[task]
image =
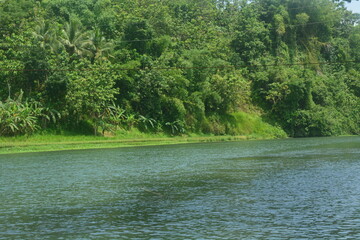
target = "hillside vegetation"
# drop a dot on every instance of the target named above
(179, 67)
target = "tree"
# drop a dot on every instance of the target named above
(101, 48)
(14, 15)
(89, 92)
(186, 64)
(137, 35)
(75, 39)
(45, 35)
(251, 39)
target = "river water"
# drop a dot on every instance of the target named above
(276, 189)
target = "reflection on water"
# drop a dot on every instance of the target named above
(290, 189)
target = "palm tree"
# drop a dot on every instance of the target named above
(101, 47)
(76, 40)
(46, 36)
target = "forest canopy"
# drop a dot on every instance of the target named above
(179, 66)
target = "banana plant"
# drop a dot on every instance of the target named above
(18, 117)
(146, 123)
(176, 127)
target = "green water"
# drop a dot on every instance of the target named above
(278, 189)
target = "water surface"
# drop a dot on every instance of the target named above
(277, 189)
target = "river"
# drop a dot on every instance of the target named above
(276, 189)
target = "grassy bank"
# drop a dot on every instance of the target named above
(245, 127)
(69, 143)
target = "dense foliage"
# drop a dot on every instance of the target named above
(179, 65)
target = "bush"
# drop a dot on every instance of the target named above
(319, 121)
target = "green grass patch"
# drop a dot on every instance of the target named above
(58, 143)
(253, 125)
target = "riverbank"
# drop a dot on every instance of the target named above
(244, 126)
(49, 142)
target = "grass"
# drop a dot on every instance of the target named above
(246, 126)
(252, 124)
(57, 143)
